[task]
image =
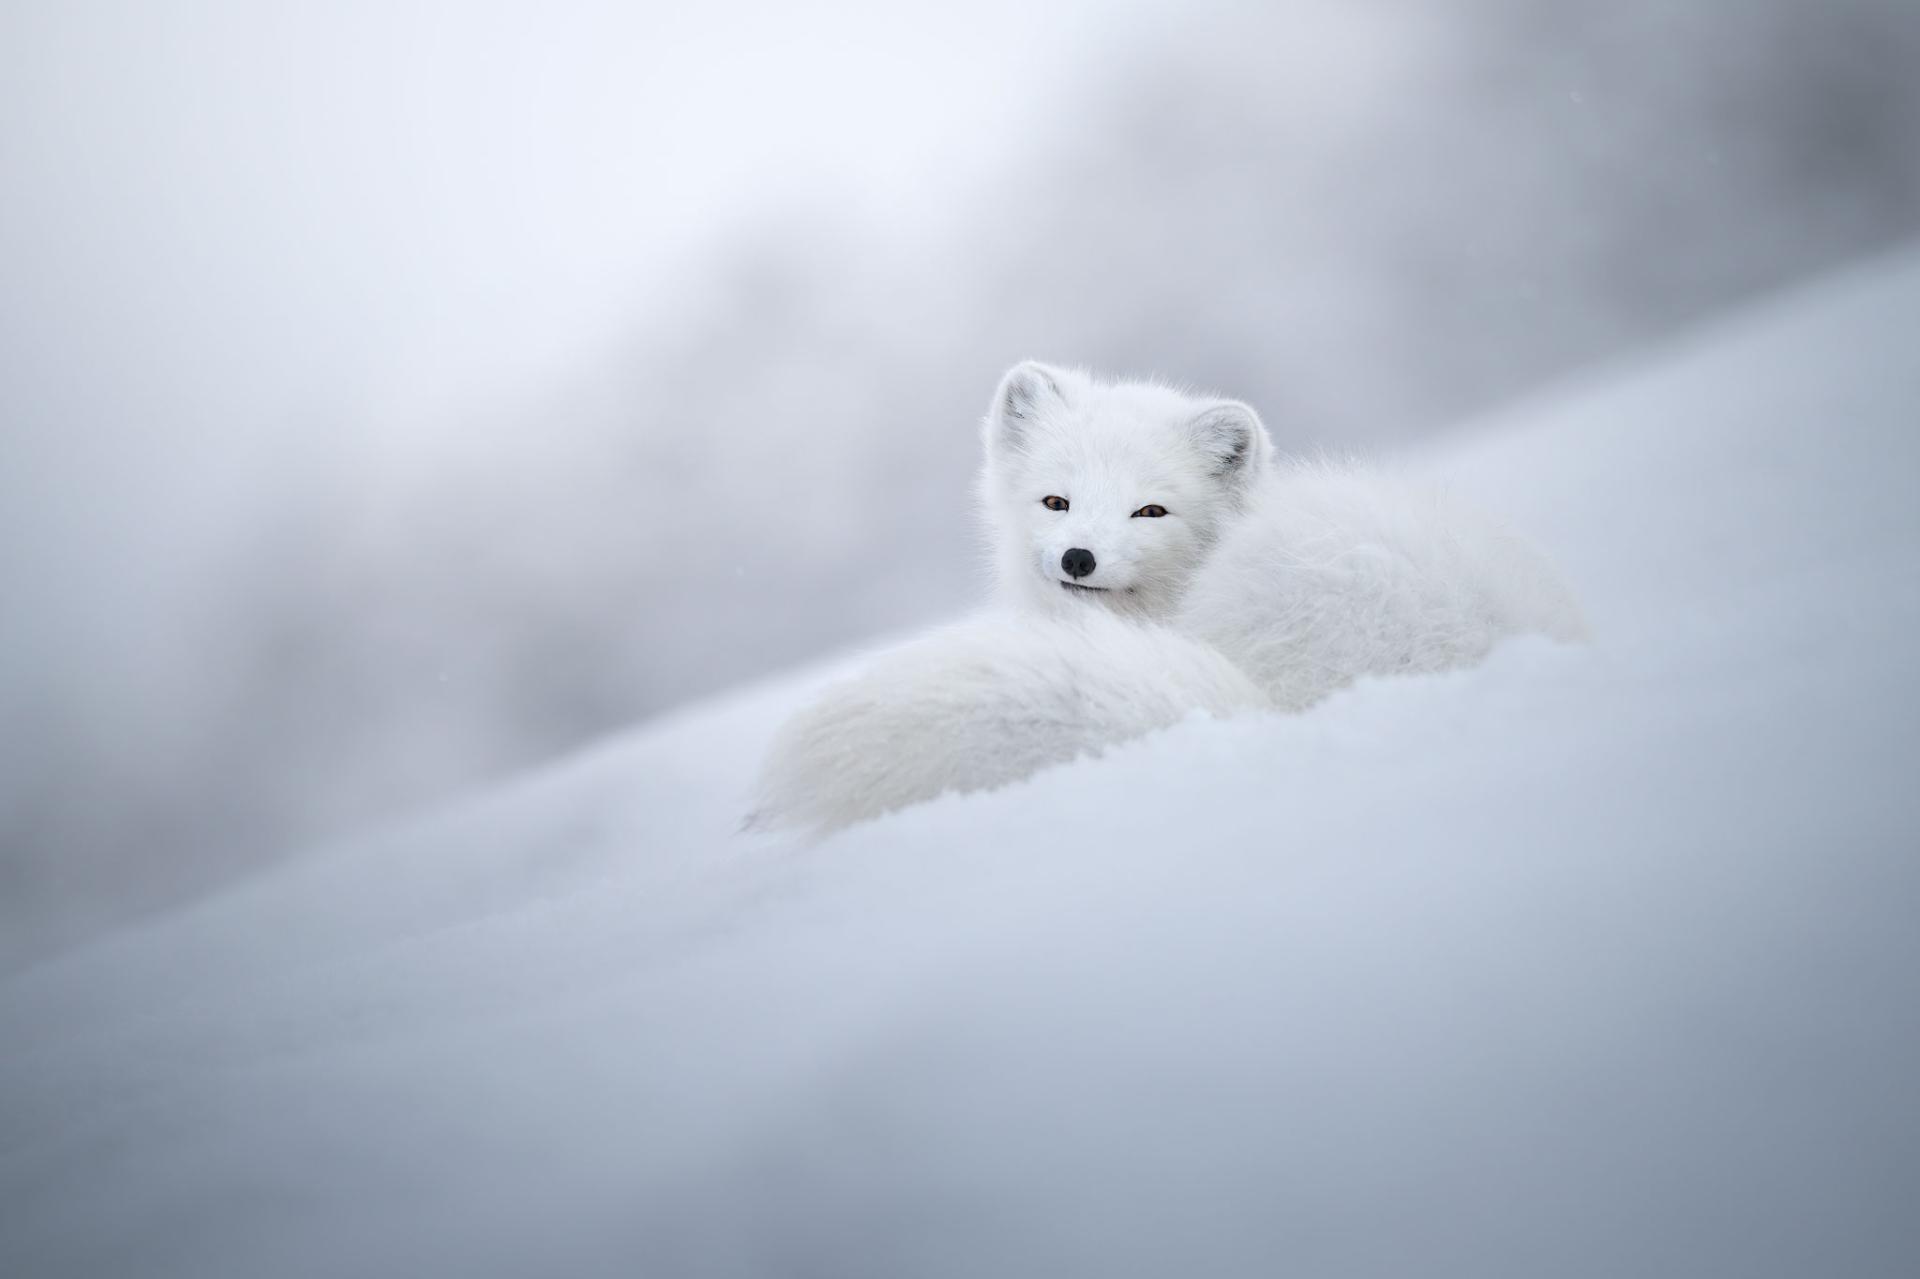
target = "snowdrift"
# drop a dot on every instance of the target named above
(1590, 960)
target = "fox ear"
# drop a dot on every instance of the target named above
(1027, 390)
(1231, 437)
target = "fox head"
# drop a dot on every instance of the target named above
(1110, 494)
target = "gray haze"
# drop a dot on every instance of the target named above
(396, 395)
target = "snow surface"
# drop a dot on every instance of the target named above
(1587, 961)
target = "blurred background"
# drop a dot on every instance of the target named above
(395, 395)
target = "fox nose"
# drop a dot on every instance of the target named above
(1078, 562)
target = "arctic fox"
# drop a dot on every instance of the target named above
(1156, 504)
(1152, 559)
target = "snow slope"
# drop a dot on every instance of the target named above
(1586, 962)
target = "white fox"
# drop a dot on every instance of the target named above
(1151, 560)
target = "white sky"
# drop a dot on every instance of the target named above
(232, 232)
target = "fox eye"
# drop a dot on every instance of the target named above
(1150, 512)
(1054, 503)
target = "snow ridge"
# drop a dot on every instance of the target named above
(1585, 961)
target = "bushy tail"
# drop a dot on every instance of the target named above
(980, 704)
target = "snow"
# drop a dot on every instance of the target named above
(1590, 960)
